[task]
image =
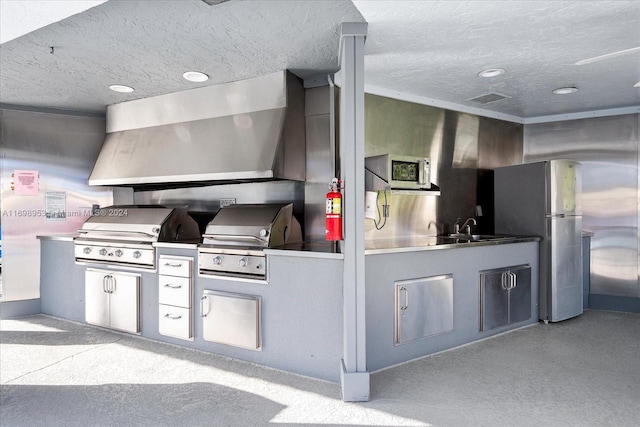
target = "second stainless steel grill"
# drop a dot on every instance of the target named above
(234, 241)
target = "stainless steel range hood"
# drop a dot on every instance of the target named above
(241, 131)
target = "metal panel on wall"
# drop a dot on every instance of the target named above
(463, 149)
(57, 152)
(320, 159)
(608, 148)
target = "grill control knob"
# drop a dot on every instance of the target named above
(87, 250)
(137, 254)
(264, 233)
(103, 252)
(217, 260)
(243, 262)
(118, 253)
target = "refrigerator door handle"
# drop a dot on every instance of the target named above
(555, 215)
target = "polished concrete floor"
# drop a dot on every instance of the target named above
(581, 372)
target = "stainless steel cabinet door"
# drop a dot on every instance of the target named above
(96, 298)
(494, 300)
(505, 296)
(125, 302)
(423, 308)
(520, 295)
(231, 319)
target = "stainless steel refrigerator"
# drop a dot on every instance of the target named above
(543, 199)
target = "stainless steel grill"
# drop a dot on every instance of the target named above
(125, 235)
(234, 241)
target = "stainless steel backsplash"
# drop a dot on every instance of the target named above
(463, 148)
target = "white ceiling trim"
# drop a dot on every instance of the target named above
(417, 99)
(584, 115)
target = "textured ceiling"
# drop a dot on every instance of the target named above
(435, 49)
(149, 45)
(18, 18)
(429, 50)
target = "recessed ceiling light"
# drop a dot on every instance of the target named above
(121, 88)
(195, 76)
(491, 72)
(565, 90)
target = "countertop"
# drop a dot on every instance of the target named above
(316, 249)
(422, 243)
(323, 249)
(60, 237)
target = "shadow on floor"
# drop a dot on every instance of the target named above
(193, 404)
(581, 372)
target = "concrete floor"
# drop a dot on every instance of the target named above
(581, 372)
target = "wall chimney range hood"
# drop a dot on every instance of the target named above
(249, 130)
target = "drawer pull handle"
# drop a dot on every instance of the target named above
(169, 264)
(169, 285)
(173, 316)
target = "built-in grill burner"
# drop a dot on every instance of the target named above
(125, 235)
(234, 241)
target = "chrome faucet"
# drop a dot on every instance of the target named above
(465, 226)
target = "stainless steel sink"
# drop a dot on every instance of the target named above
(478, 237)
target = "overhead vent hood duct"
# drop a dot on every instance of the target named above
(248, 130)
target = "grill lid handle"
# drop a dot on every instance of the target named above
(236, 237)
(125, 233)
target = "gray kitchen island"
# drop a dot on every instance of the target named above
(300, 305)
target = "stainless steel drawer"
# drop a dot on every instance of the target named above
(175, 322)
(174, 291)
(175, 266)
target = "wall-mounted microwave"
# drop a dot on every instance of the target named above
(399, 171)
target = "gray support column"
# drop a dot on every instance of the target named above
(355, 377)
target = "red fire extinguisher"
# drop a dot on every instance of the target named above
(333, 227)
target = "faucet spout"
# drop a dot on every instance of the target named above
(466, 226)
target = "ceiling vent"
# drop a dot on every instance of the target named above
(214, 2)
(488, 98)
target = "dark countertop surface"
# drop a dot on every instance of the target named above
(321, 248)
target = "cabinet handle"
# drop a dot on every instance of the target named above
(109, 284)
(169, 285)
(505, 280)
(168, 264)
(203, 312)
(509, 281)
(173, 316)
(406, 298)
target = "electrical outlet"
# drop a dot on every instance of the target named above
(227, 202)
(371, 200)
